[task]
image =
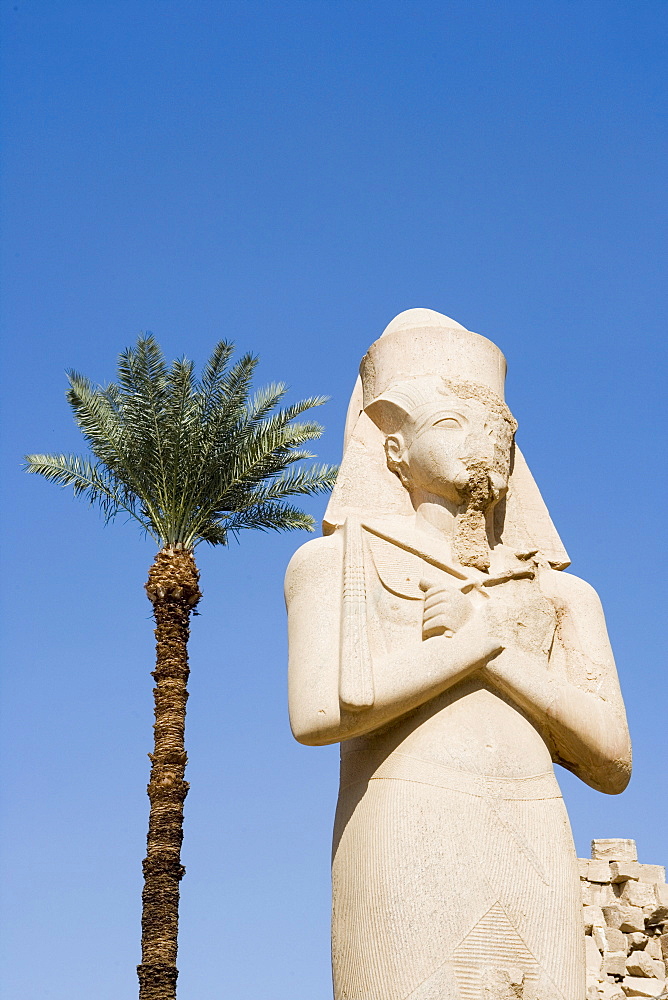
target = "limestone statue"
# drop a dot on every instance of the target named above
(434, 634)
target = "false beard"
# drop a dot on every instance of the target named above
(470, 542)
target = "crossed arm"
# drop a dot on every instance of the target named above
(586, 729)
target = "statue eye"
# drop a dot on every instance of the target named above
(449, 422)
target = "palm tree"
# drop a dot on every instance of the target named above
(191, 461)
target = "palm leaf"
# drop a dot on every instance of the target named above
(190, 460)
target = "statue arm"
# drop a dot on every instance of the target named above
(402, 681)
(577, 700)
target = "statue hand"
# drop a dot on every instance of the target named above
(446, 609)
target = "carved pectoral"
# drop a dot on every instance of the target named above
(383, 600)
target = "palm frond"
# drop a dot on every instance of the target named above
(93, 482)
(190, 460)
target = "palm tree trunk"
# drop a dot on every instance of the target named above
(173, 590)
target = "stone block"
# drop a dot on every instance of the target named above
(663, 940)
(632, 919)
(661, 893)
(622, 871)
(599, 871)
(615, 940)
(614, 963)
(660, 968)
(638, 894)
(653, 948)
(593, 917)
(614, 850)
(598, 894)
(638, 939)
(593, 957)
(652, 873)
(658, 915)
(613, 915)
(583, 866)
(637, 987)
(640, 964)
(610, 991)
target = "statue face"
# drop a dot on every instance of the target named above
(441, 451)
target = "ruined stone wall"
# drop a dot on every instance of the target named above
(625, 907)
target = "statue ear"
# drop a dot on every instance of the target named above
(394, 448)
(395, 454)
(387, 415)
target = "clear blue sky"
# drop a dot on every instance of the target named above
(291, 174)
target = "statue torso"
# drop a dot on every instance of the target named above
(471, 727)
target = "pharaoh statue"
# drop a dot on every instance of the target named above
(435, 636)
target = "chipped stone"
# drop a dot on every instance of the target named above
(614, 850)
(598, 871)
(593, 917)
(652, 873)
(622, 871)
(637, 987)
(637, 940)
(632, 919)
(638, 894)
(663, 940)
(593, 957)
(614, 963)
(659, 915)
(640, 964)
(598, 894)
(660, 968)
(653, 948)
(615, 940)
(610, 991)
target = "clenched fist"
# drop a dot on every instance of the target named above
(446, 609)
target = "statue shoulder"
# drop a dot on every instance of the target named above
(314, 561)
(569, 588)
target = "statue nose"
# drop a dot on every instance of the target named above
(480, 447)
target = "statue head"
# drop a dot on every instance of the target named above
(450, 440)
(428, 418)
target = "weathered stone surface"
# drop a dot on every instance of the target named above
(640, 964)
(614, 963)
(583, 867)
(632, 919)
(622, 871)
(660, 968)
(652, 873)
(610, 991)
(593, 917)
(637, 987)
(592, 957)
(664, 947)
(432, 634)
(661, 892)
(638, 939)
(614, 850)
(638, 894)
(653, 948)
(598, 894)
(599, 871)
(613, 939)
(657, 915)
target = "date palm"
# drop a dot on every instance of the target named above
(191, 460)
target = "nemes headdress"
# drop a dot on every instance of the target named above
(420, 355)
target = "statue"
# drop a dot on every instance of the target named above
(434, 634)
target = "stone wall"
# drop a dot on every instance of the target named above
(625, 907)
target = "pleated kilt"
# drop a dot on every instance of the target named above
(449, 885)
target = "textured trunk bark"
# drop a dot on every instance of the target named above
(173, 590)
